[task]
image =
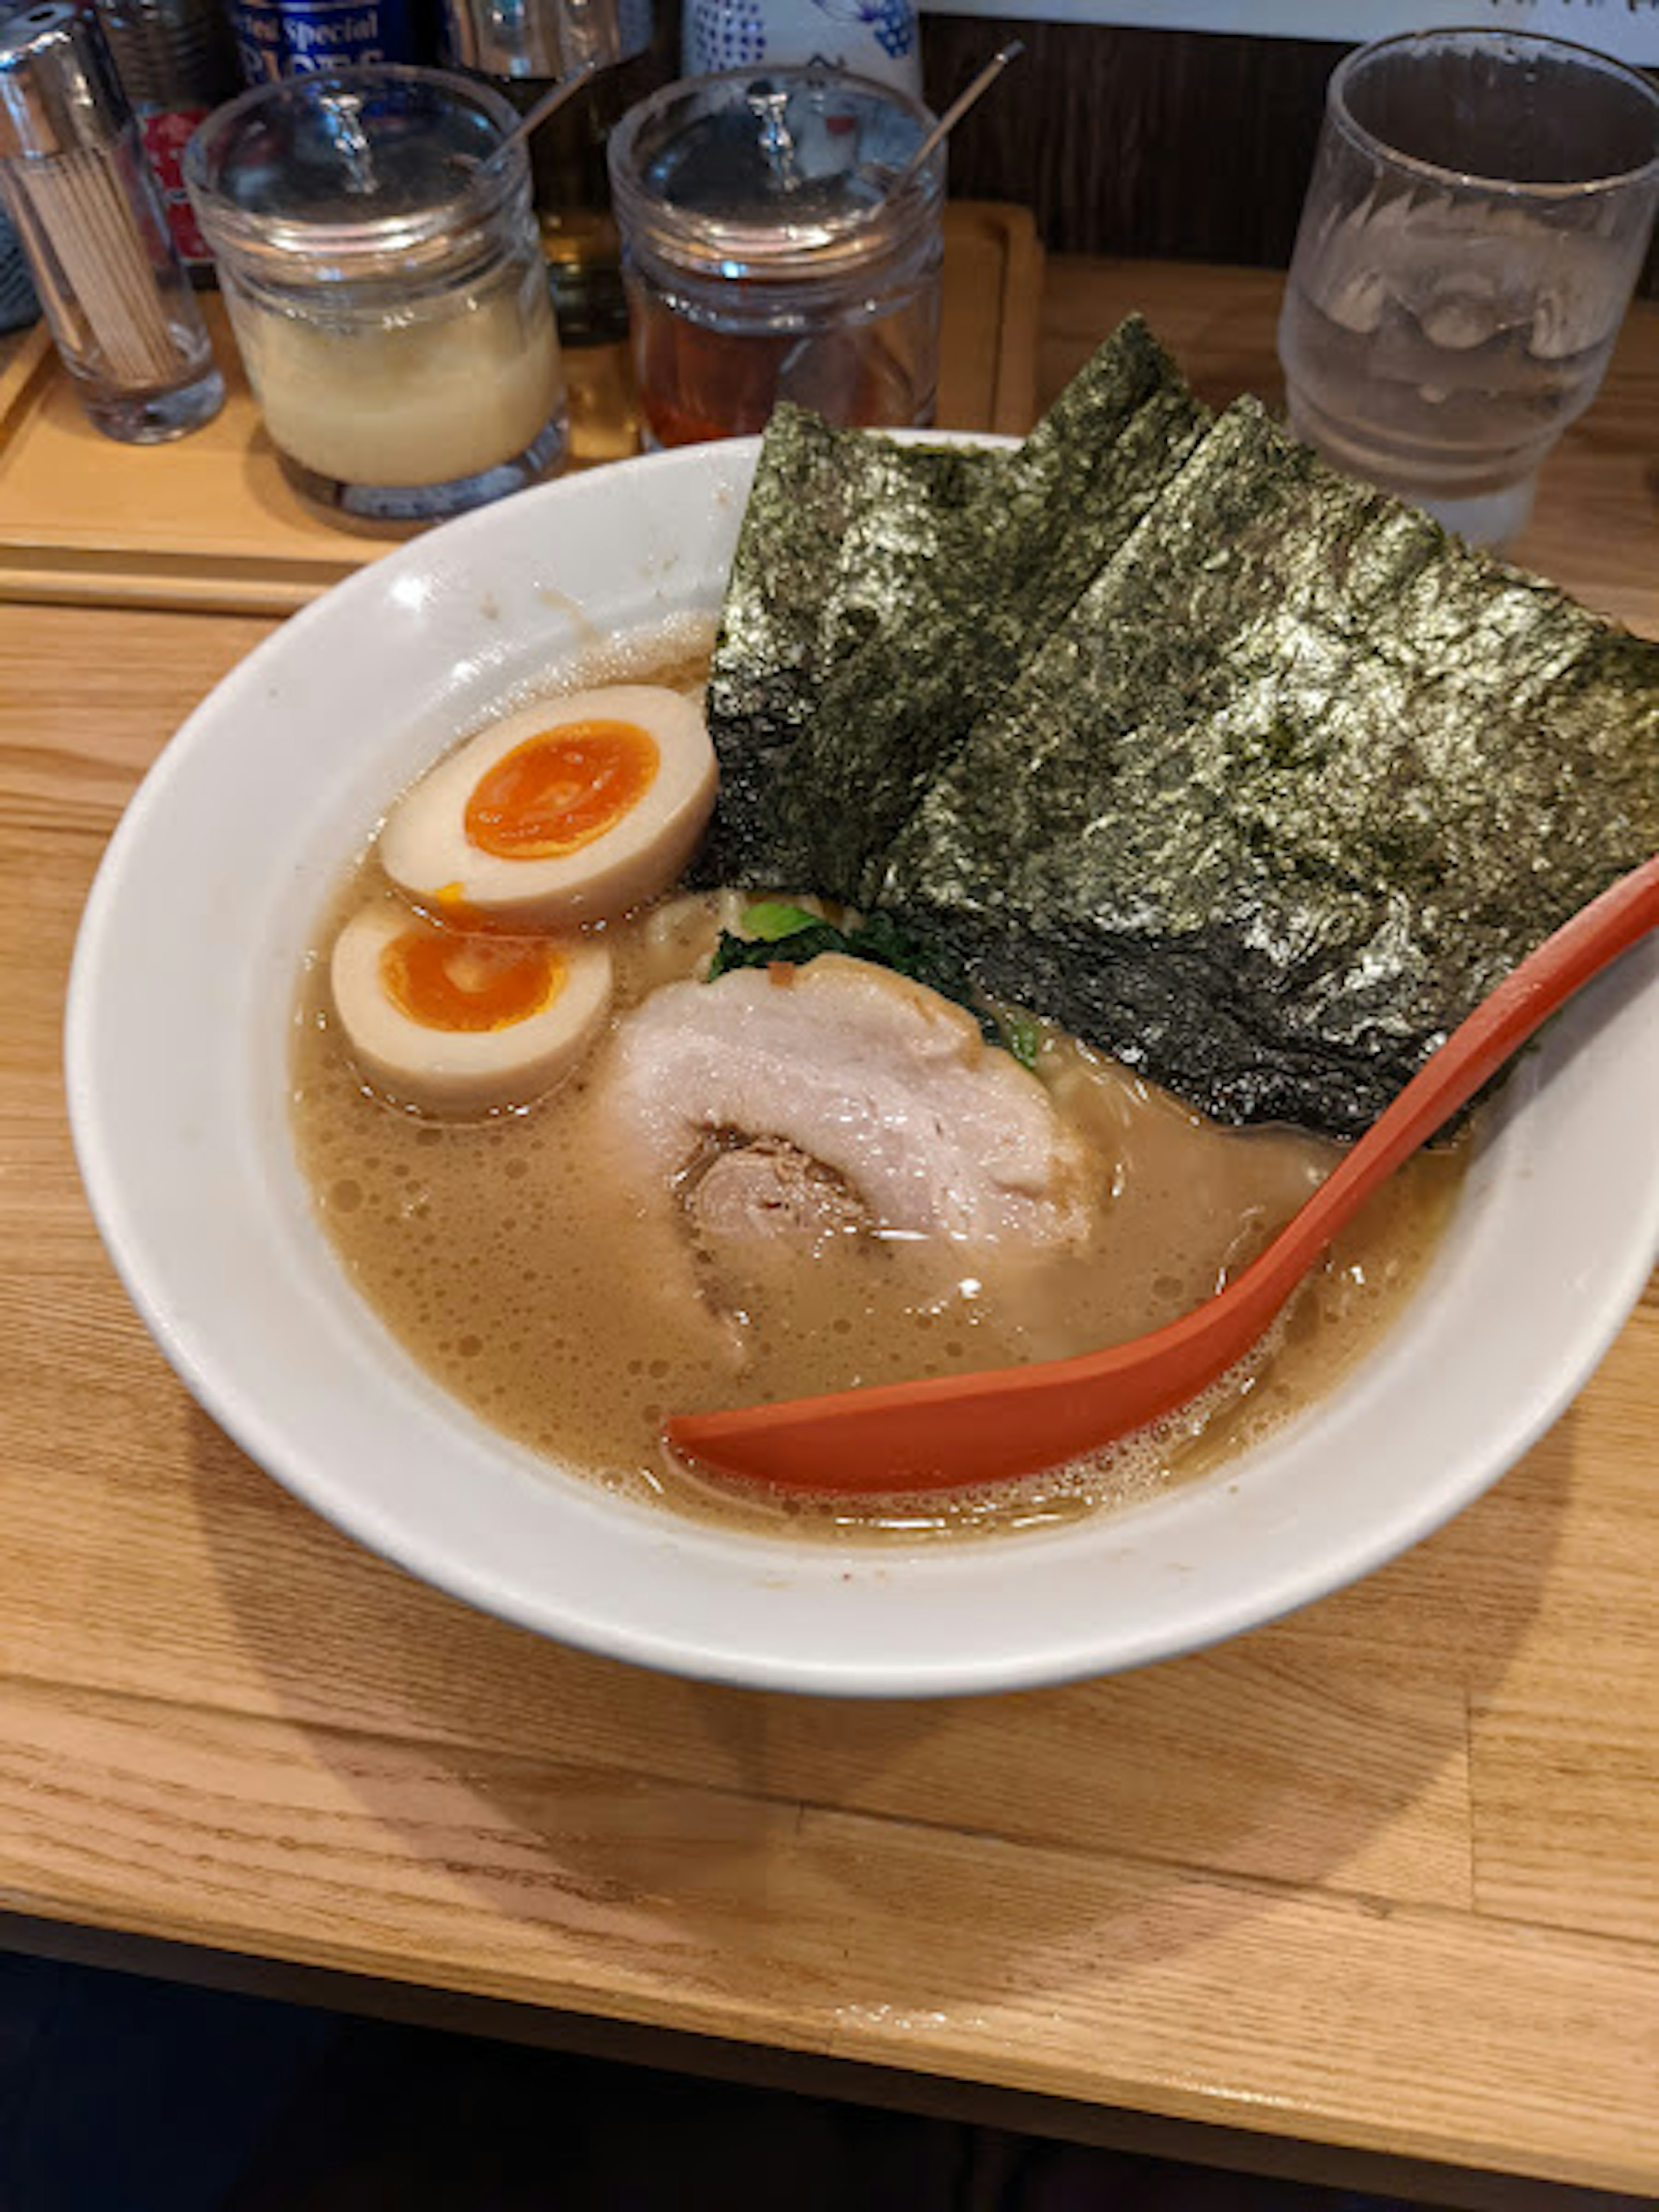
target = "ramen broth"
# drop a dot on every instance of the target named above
(568, 1306)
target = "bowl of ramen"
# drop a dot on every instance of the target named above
(448, 1292)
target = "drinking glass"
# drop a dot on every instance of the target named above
(1480, 206)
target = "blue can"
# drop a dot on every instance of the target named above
(281, 38)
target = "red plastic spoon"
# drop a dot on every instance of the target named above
(956, 1430)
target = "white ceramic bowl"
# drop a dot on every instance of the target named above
(178, 1037)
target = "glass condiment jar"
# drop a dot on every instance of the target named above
(89, 219)
(386, 283)
(177, 61)
(770, 251)
(525, 49)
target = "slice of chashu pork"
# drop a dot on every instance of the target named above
(839, 1095)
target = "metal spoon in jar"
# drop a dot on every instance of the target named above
(544, 109)
(955, 1430)
(819, 369)
(954, 113)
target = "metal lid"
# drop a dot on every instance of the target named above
(380, 171)
(549, 39)
(789, 174)
(59, 90)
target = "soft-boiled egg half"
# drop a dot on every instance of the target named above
(458, 1021)
(568, 811)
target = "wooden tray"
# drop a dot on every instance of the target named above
(211, 522)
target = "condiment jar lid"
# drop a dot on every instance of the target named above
(59, 90)
(354, 174)
(787, 173)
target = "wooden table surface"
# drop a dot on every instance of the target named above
(1382, 1877)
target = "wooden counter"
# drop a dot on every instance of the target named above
(1382, 1878)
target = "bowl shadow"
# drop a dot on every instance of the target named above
(773, 1854)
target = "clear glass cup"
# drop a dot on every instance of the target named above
(1480, 206)
(767, 255)
(386, 283)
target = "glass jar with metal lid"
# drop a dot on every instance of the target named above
(774, 248)
(380, 262)
(523, 47)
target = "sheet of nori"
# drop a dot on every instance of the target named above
(829, 756)
(1028, 544)
(1295, 782)
(839, 526)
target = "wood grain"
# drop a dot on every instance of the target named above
(1128, 139)
(1136, 140)
(1382, 1876)
(213, 522)
(1029, 1965)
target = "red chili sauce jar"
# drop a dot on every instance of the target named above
(771, 252)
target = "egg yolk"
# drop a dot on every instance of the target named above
(561, 789)
(445, 981)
